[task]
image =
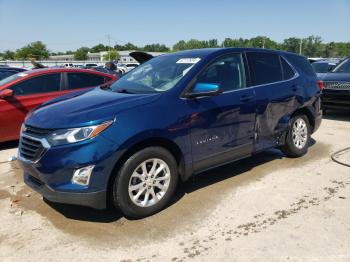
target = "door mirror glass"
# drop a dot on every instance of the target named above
(6, 93)
(205, 89)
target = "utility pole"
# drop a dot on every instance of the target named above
(264, 43)
(109, 47)
(301, 45)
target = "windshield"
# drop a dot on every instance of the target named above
(159, 74)
(11, 78)
(343, 67)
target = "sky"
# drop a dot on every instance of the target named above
(69, 24)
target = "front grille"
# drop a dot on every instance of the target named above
(337, 85)
(31, 146)
(29, 130)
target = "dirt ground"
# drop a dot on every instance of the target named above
(265, 208)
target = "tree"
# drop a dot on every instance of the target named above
(81, 53)
(291, 44)
(98, 48)
(111, 55)
(156, 48)
(8, 55)
(127, 46)
(35, 50)
(312, 46)
(181, 45)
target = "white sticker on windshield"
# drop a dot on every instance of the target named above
(188, 60)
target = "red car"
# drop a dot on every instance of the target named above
(22, 92)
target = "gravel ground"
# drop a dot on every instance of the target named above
(265, 208)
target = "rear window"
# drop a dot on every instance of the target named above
(302, 63)
(264, 67)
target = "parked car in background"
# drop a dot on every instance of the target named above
(8, 71)
(68, 65)
(22, 92)
(336, 93)
(106, 70)
(121, 68)
(90, 65)
(131, 66)
(171, 117)
(323, 66)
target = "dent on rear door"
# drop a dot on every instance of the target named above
(275, 104)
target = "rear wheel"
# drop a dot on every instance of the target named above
(145, 183)
(298, 137)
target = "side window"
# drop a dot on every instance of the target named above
(37, 85)
(227, 71)
(288, 72)
(264, 67)
(302, 63)
(82, 80)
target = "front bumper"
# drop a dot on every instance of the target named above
(90, 199)
(51, 175)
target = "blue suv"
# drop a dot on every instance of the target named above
(171, 117)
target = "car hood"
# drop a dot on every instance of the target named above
(85, 108)
(336, 77)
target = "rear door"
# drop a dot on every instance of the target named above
(28, 94)
(276, 89)
(222, 126)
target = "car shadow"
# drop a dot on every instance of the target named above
(196, 182)
(338, 115)
(8, 145)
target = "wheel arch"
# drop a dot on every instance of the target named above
(307, 112)
(168, 144)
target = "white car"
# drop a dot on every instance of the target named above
(132, 66)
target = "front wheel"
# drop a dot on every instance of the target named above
(298, 137)
(145, 183)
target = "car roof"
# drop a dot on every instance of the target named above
(209, 51)
(12, 69)
(60, 70)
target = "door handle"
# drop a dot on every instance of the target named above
(246, 98)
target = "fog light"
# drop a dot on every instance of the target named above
(82, 175)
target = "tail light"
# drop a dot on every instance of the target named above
(320, 84)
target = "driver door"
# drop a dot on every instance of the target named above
(224, 126)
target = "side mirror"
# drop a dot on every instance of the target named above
(6, 93)
(205, 89)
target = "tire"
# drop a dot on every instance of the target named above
(159, 187)
(293, 146)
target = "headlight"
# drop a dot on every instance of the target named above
(73, 135)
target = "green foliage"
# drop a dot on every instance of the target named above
(98, 48)
(127, 46)
(195, 44)
(8, 55)
(155, 48)
(111, 55)
(311, 46)
(291, 44)
(81, 53)
(35, 50)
